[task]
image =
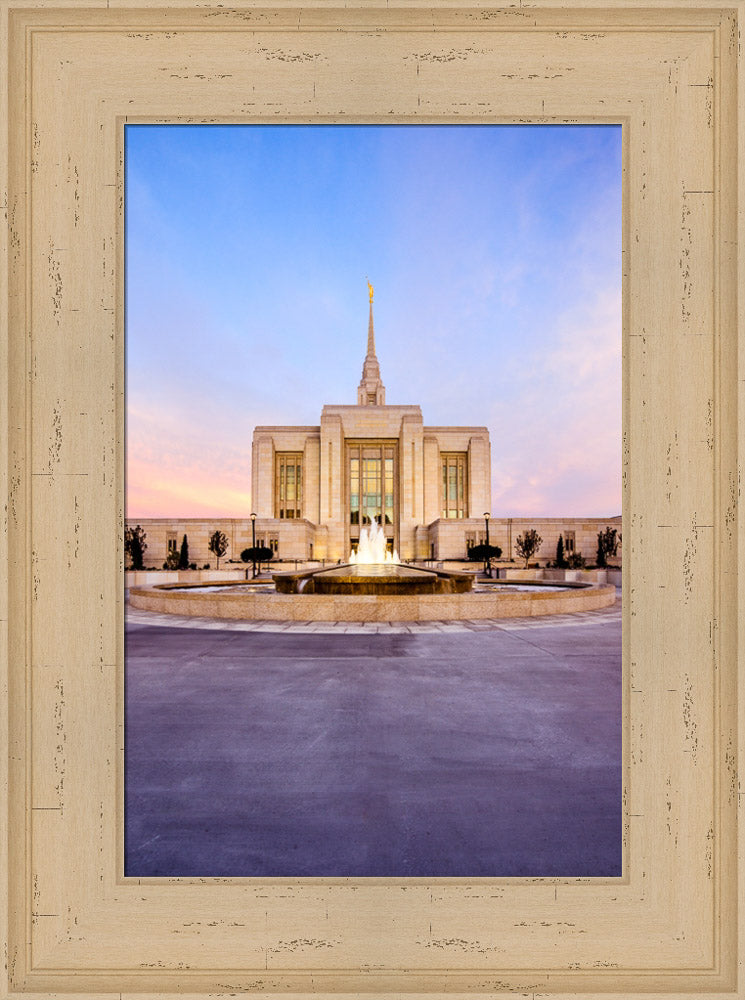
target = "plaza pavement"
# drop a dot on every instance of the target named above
(470, 749)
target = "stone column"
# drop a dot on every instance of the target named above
(432, 479)
(262, 476)
(479, 474)
(311, 479)
(411, 483)
(332, 479)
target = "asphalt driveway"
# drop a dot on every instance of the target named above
(493, 752)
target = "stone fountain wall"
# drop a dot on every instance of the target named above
(262, 605)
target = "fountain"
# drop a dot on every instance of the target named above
(372, 549)
(372, 569)
(373, 586)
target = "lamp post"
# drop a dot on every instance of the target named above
(487, 560)
(253, 542)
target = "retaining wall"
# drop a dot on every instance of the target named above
(341, 607)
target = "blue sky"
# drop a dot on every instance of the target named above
(495, 253)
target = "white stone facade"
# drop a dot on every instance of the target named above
(443, 539)
(368, 461)
(315, 487)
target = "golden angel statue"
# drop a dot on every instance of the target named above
(370, 291)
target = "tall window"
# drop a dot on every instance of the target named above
(354, 490)
(454, 487)
(288, 486)
(371, 484)
(371, 490)
(388, 491)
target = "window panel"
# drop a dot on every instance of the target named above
(371, 483)
(288, 485)
(454, 487)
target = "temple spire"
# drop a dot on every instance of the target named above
(370, 335)
(371, 391)
(370, 329)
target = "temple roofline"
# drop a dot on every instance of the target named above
(402, 407)
(314, 429)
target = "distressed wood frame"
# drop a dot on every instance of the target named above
(670, 927)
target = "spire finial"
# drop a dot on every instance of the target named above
(370, 327)
(371, 391)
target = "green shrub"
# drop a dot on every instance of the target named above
(260, 554)
(134, 546)
(607, 545)
(479, 553)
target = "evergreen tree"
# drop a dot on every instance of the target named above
(607, 545)
(560, 560)
(600, 557)
(183, 562)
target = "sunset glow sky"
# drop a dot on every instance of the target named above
(495, 253)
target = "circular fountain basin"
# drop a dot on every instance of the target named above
(256, 602)
(387, 579)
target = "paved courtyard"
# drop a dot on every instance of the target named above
(443, 749)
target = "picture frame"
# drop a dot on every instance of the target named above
(76, 72)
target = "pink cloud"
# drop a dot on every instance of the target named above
(180, 468)
(560, 453)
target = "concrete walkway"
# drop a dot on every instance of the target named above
(467, 751)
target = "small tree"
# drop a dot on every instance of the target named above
(260, 554)
(560, 558)
(480, 553)
(607, 545)
(183, 562)
(528, 544)
(218, 544)
(135, 545)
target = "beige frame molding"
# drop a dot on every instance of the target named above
(76, 71)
